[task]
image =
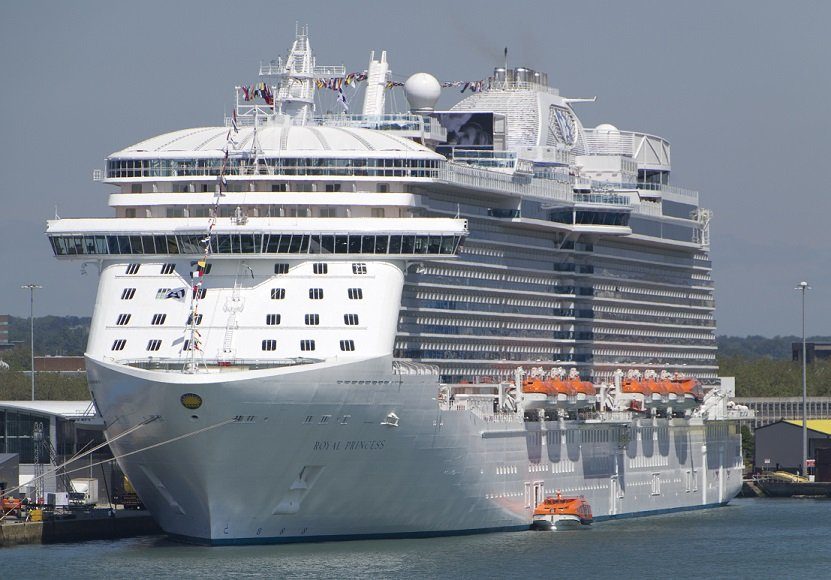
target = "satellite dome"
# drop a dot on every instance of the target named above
(422, 91)
(608, 138)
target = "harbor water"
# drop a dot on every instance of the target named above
(750, 538)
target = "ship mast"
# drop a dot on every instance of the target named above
(295, 79)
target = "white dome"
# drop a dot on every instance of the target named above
(607, 129)
(277, 140)
(422, 90)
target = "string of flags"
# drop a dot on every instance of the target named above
(200, 266)
(261, 90)
(337, 84)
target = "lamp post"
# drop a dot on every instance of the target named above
(32, 288)
(803, 286)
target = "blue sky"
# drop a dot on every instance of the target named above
(741, 90)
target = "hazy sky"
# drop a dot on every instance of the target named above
(742, 90)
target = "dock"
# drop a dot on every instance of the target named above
(96, 524)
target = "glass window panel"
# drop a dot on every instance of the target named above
(272, 242)
(285, 243)
(381, 244)
(135, 242)
(314, 244)
(354, 244)
(368, 244)
(123, 245)
(341, 244)
(395, 244)
(149, 245)
(247, 243)
(434, 245)
(296, 241)
(407, 244)
(328, 243)
(447, 244)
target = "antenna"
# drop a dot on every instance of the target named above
(506, 58)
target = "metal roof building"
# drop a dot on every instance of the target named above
(779, 445)
(43, 432)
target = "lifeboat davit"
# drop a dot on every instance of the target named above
(559, 512)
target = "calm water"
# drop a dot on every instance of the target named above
(751, 538)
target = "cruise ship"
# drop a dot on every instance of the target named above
(318, 326)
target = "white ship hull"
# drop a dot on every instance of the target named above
(281, 472)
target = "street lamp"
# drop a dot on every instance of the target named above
(803, 286)
(32, 288)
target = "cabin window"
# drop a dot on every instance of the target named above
(122, 319)
(158, 319)
(198, 319)
(307, 345)
(281, 268)
(347, 345)
(312, 319)
(133, 269)
(359, 268)
(350, 319)
(128, 293)
(272, 319)
(316, 293)
(119, 344)
(278, 293)
(269, 344)
(356, 293)
(154, 344)
(168, 268)
(320, 268)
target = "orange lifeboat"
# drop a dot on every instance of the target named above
(564, 387)
(656, 387)
(689, 386)
(584, 387)
(560, 512)
(537, 386)
(633, 386)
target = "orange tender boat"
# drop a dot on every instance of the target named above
(689, 386)
(561, 513)
(552, 388)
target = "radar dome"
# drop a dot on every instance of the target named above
(608, 137)
(422, 91)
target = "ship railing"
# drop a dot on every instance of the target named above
(666, 189)
(401, 367)
(513, 85)
(648, 208)
(458, 174)
(177, 364)
(602, 197)
(644, 148)
(396, 122)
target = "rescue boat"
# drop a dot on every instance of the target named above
(549, 390)
(560, 512)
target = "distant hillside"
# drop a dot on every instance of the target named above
(54, 335)
(753, 347)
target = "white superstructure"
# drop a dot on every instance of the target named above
(314, 324)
